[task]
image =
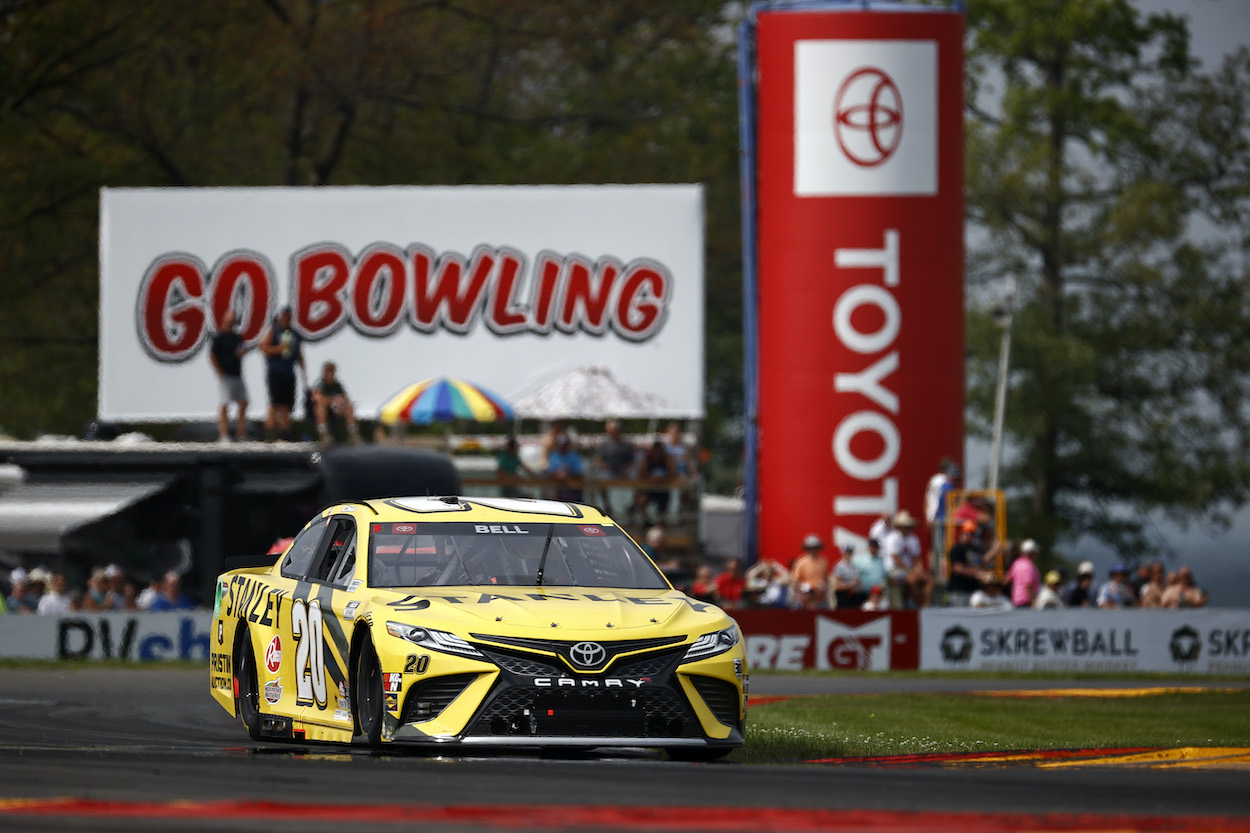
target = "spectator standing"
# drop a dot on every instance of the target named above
(870, 566)
(990, 596)
(281, 346)
(171, 596)
(811, 575)
(768, 583)
(730, 584)
(1023, 576)
(940, 485)
(226, 354)
(1151, 593)
(703, 587)
(508, 462)
(657, 465)
(614, 457)
(148, 594)
(903, 553)
(1048, 597)
(99, 595)
(1117, 593)
(847, 589)
(684, 462)
(57, 600)
(329, 395)
(565, 465)
(22, 596)
(1185, 592)
(965, 566)
(1082, 592)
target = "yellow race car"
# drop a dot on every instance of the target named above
(475, 621)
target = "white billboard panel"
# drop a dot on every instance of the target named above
(502, 286)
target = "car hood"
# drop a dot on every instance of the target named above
(552, 613)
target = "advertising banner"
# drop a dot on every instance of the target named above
(1208, 641)
(505, 287)
(141, 637)
(860, 266)
(852, 640)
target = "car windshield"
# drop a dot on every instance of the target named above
(448, 554)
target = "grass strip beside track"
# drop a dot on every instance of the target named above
(822, 727)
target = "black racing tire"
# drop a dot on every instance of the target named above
(370, 710)
(247, 702)
(698, 753)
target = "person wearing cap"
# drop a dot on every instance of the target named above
(1082, 591)
(870, 566)
(810, 573)
(902, 553)
(847, 587)
(22, 596)
(1117, 593)
(1023, 576)
(876, 599)
(990, 596)
(1048, 597)
(768, 583)
(964, 558)
(98, 596)
(280, 345)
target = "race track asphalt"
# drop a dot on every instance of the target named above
(92, 748)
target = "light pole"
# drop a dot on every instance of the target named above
(1002, 315)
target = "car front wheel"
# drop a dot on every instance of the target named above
(369, 708)
(246, 689)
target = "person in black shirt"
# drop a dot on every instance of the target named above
(965, 566)
(329, 395)
(226, 354)
(283, 354)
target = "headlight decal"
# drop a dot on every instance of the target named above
(447, 643)
(711, 644)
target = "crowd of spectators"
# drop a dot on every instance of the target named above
(665, 460)
(41, 591)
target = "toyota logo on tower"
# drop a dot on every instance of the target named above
(868, 117)
(850, 138)
(587, 654)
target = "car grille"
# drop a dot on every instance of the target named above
(656, 712)
(523, 665)
(427, 699)
(612, 648)
(721, 697)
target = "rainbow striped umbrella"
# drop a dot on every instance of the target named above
(443, 399)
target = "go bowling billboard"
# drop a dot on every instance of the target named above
(858, 383)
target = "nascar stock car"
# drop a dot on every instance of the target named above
(475, 621)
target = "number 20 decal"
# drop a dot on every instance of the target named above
(310, 665)
(417, 664)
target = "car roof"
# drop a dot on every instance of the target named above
(486, 509)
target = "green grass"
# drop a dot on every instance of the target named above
(836, 726)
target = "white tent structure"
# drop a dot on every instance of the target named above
(590, 393)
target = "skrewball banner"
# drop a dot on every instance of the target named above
(860, 284)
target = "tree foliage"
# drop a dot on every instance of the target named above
(1107, 174)
(305, 92)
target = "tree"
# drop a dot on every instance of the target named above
(1107, 175)
(303, 92)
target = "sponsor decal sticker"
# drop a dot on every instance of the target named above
(354, 586)
(392, 701)
(349, 612)
(404, 529)
(592, 530)
(393, 681)
(273, 655)
(273, 691)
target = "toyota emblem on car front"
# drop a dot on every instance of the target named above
(587, 654)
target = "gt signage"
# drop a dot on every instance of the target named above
(500, 285)
(860, 235)
(788, 640)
